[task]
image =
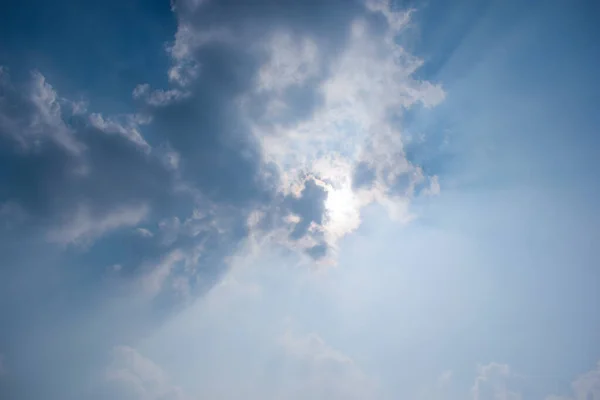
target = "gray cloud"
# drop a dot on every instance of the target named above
(71, 190)
(309, 205)
(49, 180)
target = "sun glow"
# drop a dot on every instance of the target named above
(342, 211)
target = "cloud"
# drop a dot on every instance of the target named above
(352, 138)
(585, 387)
(313, 369)
(290, 63)
(262, 97)
(133, 376)
(144, 232)
(279, 123)
(83, 227)
(305, 98)
(43, 118)
(74, 188)
(66, 174)
(240, 60)
(494, 383)
(498, 382)
(80, 179)
(158, 97)
(128, 128)
(299, 367)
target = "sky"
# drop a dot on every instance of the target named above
(320, 199)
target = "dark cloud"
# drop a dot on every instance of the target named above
(53, 164)
(49, 183)
(73, 191)
(53, 260)
(326, 21)
(248, 24)
(309, 206)
(206, 129)
(318, 251)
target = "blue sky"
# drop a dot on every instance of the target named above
(289, 200)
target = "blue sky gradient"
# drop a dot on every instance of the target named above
(288, 200)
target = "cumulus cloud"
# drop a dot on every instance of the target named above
(133, 376)
(299, 367)
(351, 140)
(313, 369)
(494, 383)
(585, 387)
(65, 173)
(263, 97)
(498, 382)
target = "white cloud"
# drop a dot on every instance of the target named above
(49, 114)
(588, 385)
(137, 377)
(312, 369)
(143, 232)
(46, 119)
(76, 107)
(170, 229)
(493, 383)
(127, 128)
(85, 227)
(188, 39)
(498, 382)
(369, 81)
(158, 97)
(291, 61)
(358, 90)
(141, 90)
(585, 387)
(154, 280)
(434, 186)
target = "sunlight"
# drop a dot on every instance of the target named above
(342, 211)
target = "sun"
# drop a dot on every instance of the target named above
(342, 210)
